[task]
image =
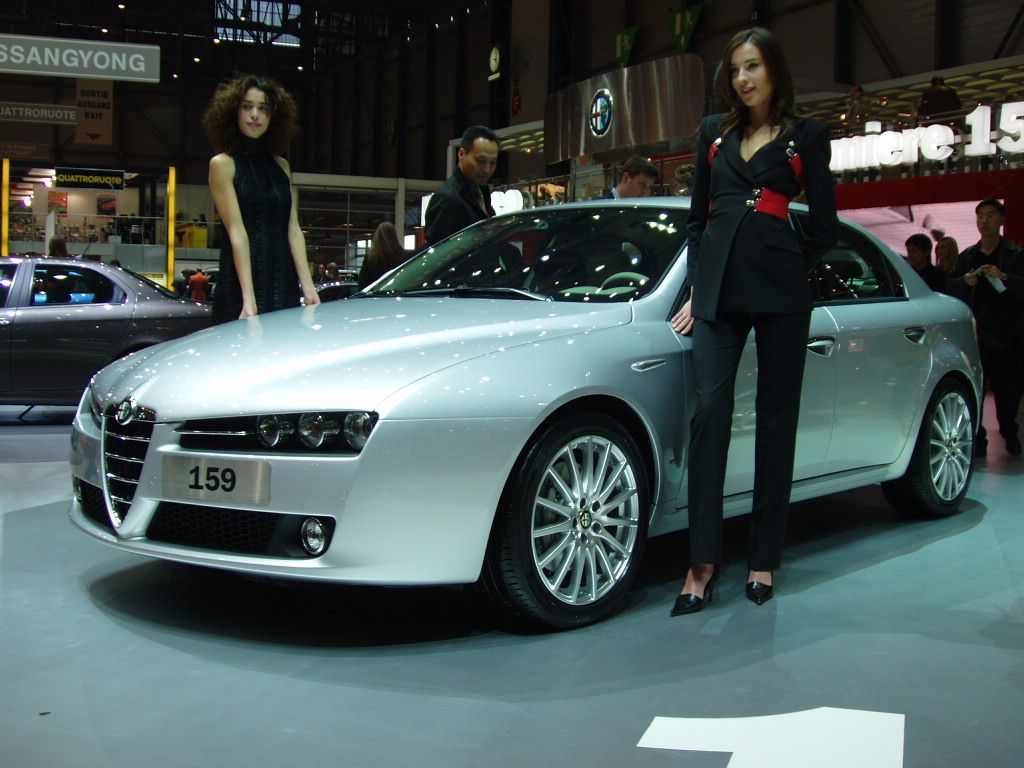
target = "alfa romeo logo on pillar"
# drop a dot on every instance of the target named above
(601, 112)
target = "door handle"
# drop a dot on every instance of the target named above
(641, 366)
(915, 333)
(821, 345)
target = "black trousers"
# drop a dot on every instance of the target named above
(1004, 374)
(781, 341)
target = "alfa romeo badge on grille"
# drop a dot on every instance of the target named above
(126, 411)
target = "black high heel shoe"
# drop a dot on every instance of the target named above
(688, 603)
(759, 593)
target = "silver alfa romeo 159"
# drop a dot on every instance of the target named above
(510, 407)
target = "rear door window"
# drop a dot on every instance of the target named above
(60, 284)
(6, 281)
(855, 270)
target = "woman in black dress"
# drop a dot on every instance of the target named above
(263, 267)
(747, 269)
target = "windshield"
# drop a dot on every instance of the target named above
(608, 254)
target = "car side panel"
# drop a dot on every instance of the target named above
(817, 406)
(884, 376)
(59, 348)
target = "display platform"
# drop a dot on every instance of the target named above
(891, 642)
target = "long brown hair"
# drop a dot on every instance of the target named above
(221, 118)
(385, 249)
(782, 111)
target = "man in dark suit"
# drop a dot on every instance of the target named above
(990, 277)
(465, 198)
(639, 175)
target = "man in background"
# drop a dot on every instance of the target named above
(199, 286)
(990, 277)
(639, 175)
(919, 256)
(465, 198)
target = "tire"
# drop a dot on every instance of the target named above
(941, 466)
(572, 524)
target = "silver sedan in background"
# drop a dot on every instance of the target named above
(510, 407)
(61, 320)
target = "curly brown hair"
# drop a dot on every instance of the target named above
(221, 118)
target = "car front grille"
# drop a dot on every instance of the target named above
(94, 506)
(239, 531)
(125, 441)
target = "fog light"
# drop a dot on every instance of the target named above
(315, 430)
(273, 430)
(313, 536)
(357, 429)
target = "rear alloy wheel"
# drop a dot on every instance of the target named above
(940, 469)
(572, 524)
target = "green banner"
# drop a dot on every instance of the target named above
(683, 23)
(624, 45)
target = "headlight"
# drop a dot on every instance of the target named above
(358, 427)
(316, 430)
(272, 430)
(326, 431)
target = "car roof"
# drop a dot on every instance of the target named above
(329, 283)
(59, 262)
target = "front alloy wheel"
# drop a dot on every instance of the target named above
(573, 523)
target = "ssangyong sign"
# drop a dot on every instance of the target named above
(28, 55)
(881, 149)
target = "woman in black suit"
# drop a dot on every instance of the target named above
(748, 270)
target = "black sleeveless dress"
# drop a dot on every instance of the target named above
(265, 201)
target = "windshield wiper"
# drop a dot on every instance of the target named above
(475, 290)
(497, 290)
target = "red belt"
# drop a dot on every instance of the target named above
(771, 202)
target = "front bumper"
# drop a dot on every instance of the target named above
(414, 507)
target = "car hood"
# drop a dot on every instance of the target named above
(351, 354)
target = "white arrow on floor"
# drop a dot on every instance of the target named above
(817, 738)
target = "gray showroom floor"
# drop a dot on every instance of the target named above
(891, 642)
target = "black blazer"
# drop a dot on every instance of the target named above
(455, 206)
(1000, 316)
(743, 260)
